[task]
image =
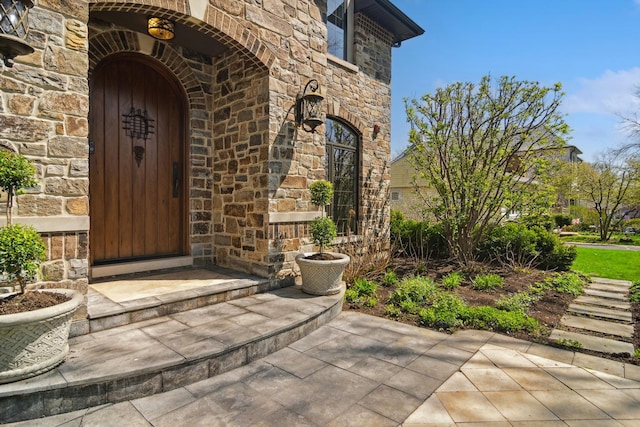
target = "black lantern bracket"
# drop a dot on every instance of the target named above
(309, 107)
(14, 26)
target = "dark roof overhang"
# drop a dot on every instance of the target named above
(390, 17)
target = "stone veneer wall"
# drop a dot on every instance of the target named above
(43, 115)
(250, 166)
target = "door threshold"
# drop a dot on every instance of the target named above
(119, 269)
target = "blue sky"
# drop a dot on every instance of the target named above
(592, 47)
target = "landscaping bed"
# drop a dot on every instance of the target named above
(547, 308)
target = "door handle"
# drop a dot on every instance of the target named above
(176, 179)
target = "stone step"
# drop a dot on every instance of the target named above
(608, 295)
(602, 345)
(612, 282)
(116, 303)
(600, 312)
(168, 352)
(603, 302)
(595, 325)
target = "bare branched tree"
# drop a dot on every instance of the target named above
(483, 148)
(610, 185)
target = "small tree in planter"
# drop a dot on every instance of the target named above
(322, 272)
(21, 248)
(34, 327)
(322, 229)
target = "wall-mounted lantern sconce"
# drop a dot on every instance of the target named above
(14, 25)
(309, 107)
(160, 28)
(376, 130)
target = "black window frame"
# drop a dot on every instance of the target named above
(339, 212)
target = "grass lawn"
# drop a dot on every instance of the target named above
(595, 238)
(609, 263)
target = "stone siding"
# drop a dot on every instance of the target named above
(249, 166)
(44, 105)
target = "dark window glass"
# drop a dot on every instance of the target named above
(336, 27)
(341, 167)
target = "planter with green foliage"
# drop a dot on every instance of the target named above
(33, 340)
(322, 271)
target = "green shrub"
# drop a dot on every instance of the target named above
(545, 222)
(409, 306)
(484, 282)
(323, 231)
(21, 252)
(452, 280)
(520, 245)
(321, 193)
(562, 220)
(567, 283)
(365, 287)
(417, 289)
(392, 311)
(491, 318)
(518, 302)
(362, 292)
(415, 238)
(351, 295)
(554, 255)
(390, 278)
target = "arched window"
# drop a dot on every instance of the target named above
(341, 167)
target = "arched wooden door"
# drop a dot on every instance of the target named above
(137, 133)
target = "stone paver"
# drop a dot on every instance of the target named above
(589, 342)
(605, 313)
(465, 379)
(620, 304)
(611, 328)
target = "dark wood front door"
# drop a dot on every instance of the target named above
(137, 122)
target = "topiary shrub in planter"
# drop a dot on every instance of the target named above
(21, 252)
(33, 340)
(322, 271)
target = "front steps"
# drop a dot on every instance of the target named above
(167, 351)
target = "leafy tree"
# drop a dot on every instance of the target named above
(482, 149)
(611, 186)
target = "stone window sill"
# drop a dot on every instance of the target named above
(348, 66)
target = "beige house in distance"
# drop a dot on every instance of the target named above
(402, 189)
(185, 150)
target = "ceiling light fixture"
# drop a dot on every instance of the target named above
(160, 28)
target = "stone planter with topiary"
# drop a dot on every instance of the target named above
(322, 271)
(34, 326)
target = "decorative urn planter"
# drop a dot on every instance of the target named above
(322, 277)
(36, 341)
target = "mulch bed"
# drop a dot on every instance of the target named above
(30, 301)
(547, 310)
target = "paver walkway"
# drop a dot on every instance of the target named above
(600, 320)
(361, 370)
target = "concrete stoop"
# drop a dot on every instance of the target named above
(166, 352)
(601, 319)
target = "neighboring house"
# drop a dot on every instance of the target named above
(402, 190)
(155, 154)
(571, 155)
